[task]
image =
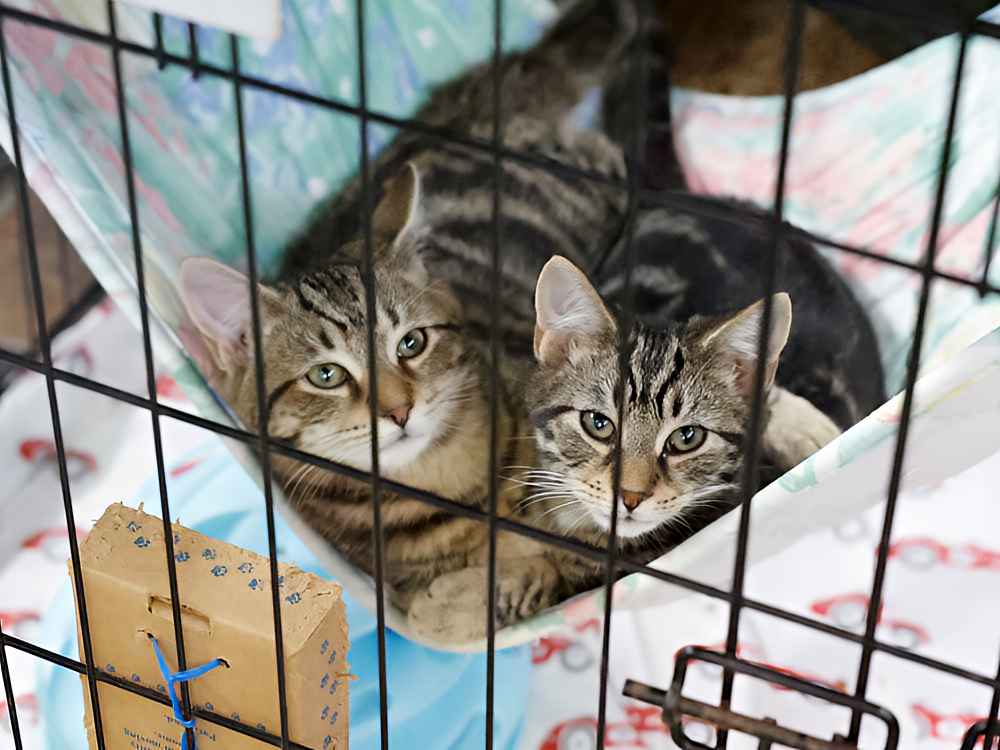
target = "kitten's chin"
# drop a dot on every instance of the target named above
(629, 527)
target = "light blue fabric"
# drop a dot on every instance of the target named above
(436, 700)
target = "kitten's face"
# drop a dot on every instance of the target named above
(315, 345)
(687, 398)
(316, 351)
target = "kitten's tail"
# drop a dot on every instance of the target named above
(645, 74)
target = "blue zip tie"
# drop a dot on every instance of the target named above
(185, 676)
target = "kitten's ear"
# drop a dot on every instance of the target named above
(569, 312)
(399, 209)
(739, 336)
(217, 299)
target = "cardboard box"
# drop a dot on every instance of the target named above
(227, 613)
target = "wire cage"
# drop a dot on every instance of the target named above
(674, 704)
(73, 289)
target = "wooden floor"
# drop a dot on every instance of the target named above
(723, 46)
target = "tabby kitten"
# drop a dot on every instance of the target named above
(432, 236)
(689, 389)
(689, 384)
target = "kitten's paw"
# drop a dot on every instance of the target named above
(795, 430)
(453, 608)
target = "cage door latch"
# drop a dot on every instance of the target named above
(677, 708)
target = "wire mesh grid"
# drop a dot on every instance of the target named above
(987, 730)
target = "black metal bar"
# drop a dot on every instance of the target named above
(504, 524)
(762, 672)
(676, 706)
(193, 51)
(992, 732)
(265, 444)
(920, 15)
(147, 348)
(83, 305)
(749, 479)
(679, 201)
(766, 730)
(638, 73)
(8, 688)
(262, 406)
(378, 537)
(991, 234)
(50, 385)
(896, 477)
(30, 334)
(446, 135)
(981, 730)
(491, 562)
(65, 277)
(136, 689)
(159, 49)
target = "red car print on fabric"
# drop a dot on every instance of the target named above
(42, 451)
(574, 654)
(948, 728)
(13, 621)
(77, 360)
(850, 610)
(166, 387)
(755, 655)
(641, 724)
(53, 543)
(181, 469)
(27, 711)
(923, 553)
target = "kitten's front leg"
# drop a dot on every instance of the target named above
(795, 429)
(453, 608)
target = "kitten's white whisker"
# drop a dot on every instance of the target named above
(574, 501)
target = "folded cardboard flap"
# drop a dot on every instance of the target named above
(226, 613)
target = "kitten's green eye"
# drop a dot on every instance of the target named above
(327, 375)
(597, 425)
(412, 344)
(686, 439)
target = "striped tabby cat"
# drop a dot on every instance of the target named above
(688, 388)
(432, 241)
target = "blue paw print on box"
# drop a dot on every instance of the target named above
(208, 554)
(182, 557)
(110, 669)
(133, 526)
(334, 686)
(245, 567)
(333, 719)
(325, 713)
(177, 538)
(327, 740)
(209, 707)
(324, 646)
(219, 570)
(324, 681)
(294, 598)
(333, 657)
(281, 581)
(255, 584)
(141, 542)
(136, 678)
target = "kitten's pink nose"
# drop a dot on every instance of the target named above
(400, 414)
(632, 499)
